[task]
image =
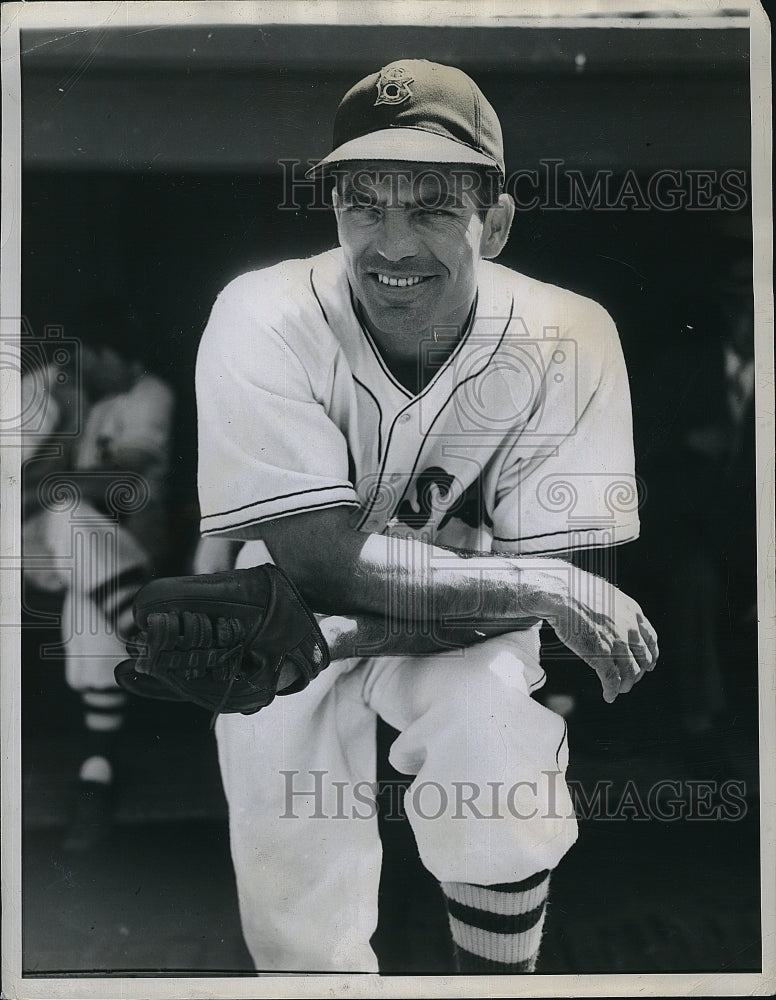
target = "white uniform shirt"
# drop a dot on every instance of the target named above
(521, 442)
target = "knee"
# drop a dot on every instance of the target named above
(501, 830)
(496, 732)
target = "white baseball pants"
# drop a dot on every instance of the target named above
(488, 803)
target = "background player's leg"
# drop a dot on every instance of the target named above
(107, 566)
(489, 806)
(92, 650)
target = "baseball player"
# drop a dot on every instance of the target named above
(423, 441)
(77, 482)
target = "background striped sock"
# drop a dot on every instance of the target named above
(103, 716)
(114, 597)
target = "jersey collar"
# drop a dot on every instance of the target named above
(358, 313)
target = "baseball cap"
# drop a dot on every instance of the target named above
(419, 111)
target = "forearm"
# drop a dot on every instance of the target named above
(403, 595)
(350, 636)
(425, 582)
(341, 571)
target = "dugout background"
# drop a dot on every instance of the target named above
(151, 174)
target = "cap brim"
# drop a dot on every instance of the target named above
(408, 145)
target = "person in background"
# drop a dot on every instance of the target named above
(95, 477)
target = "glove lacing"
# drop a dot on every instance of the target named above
(230, 660)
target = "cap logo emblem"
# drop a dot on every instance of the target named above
(393, 86)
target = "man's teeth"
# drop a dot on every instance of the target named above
(384, 279)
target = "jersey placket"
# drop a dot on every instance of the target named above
(403, 441)
(414, 425)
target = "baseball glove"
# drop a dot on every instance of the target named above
(228, 642)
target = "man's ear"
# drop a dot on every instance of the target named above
(334, 198)
(495, 229)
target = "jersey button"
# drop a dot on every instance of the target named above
(404, 418)
(395, 477)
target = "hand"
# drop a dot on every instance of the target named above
(602, 626)
(217, 640)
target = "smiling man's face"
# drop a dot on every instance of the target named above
(413, 240)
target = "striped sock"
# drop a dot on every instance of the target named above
(103, 715)
(114, 598)
(497, 928)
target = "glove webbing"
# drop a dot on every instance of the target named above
(185, 633)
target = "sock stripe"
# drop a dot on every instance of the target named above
(104, 708)
(527, 883)
(116, 593)
(499, 947)
(497, 931)
(104, 701)
(124, 603)
(103, 722)
(496, 923)
(496, 902)
(476, 963)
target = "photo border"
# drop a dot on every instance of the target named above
(72, 16)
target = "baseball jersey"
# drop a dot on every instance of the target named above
(520, 442)
(131, 430)
(126, 431)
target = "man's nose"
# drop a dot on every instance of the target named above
(396, 239)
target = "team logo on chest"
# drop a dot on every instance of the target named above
(393, 86)
(435, 484)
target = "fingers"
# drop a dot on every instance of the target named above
(621, 646)
(638, 655)
(610, 679)
(640, 652)
(649, 636)
(629, 667)
(625, 666)
(617, 679)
